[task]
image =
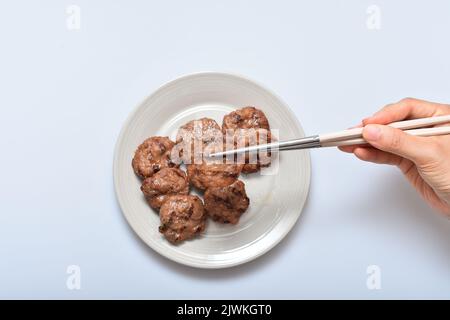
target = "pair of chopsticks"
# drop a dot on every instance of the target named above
(417, 127)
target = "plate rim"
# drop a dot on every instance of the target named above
(141, 105)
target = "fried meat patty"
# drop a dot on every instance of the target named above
(153, 155)
(226, 204)
(197, 137)
(206, 175)
(163, 184)
(240, 123)
(182, 217)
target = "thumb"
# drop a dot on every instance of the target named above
(397, 142)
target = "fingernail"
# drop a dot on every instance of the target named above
(372, 133)
(367, 120)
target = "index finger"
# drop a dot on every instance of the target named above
(408, 108)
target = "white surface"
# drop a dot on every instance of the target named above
(65, 95)
(275, 204)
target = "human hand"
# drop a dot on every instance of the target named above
(425, 161)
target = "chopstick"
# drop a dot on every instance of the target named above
(403, 125)
(426, 132)
(348, 137)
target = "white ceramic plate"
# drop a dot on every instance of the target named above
(277, 196)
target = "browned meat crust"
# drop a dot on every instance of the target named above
(226, 204)
(197, 137)
(153, 155)
(203, 176)
(248, 118)
(164, 183)
(182, 217)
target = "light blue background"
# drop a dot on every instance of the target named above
(65, 95)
